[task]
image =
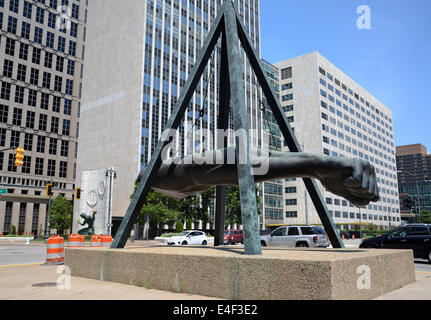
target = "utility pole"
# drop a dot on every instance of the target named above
(112, 174)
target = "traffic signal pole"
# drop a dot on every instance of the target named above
(48, 225)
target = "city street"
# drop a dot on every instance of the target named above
(16, 254)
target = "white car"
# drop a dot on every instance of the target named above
(188, 237)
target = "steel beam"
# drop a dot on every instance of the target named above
(247, 190)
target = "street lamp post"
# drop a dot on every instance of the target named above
(112, 174)
(417, 202)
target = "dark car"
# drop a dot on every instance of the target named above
(416, 237)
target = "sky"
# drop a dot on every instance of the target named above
(391, 60)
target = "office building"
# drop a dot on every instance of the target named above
(414, 180)
(41, 56)
(333, 115)
(138, 57)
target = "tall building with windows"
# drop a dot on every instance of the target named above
(331, 114)
(272, 191)
(414, 180)
(41, 59)
(139, 54)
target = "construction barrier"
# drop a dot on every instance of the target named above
(82, 240)
(96, 241)
(55, 250)
(106, 241)
(74, 241)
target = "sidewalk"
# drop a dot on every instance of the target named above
(36, 282)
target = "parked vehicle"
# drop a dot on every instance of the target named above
(416, 237)
(189, 237)
(233, 236)
(296, 236)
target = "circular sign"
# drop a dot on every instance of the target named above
(101, 189)
(92, 198)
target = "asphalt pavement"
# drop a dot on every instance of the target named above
(15, 254)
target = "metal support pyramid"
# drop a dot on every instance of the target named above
(228, 25)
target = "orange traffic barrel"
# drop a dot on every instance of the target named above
(82, 240)
(55, 251)
(74, 241)
(106, 241)
(96, 241)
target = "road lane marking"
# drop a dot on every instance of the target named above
(423, 272)
(21, 265)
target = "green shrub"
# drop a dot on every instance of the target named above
(179, 227)
(12, 230)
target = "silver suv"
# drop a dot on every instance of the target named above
(296, 236)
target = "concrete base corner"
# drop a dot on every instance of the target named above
(227, 273)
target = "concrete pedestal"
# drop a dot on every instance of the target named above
(225, 272)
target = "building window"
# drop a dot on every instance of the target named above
(63, 169)
(32, 97)
(30, 119)
(19, 94)
(291, 214)
(43, 121)
(36, 55)
(54, 124)
(26, 168)
(39, 167)
(66, 127)
(10, 47)
(17, 117)
(290, 190)
(51, 168)
(287, 86)
(53, 146)
(5, 91)
(23, 51)
(7, 68)
(287, 97)
(291, 202)
(286, 73)
(58, 83)
(4, 112)
(21, 72)
(56, 104)
(64, 148)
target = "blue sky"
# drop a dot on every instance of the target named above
(392, 60)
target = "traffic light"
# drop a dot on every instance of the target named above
(49, 191)
(409, 202)
(19, 157)
(78, 194)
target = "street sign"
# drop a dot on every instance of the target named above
(3, 191)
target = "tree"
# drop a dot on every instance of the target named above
(158, 210)
(233, 205)
(425, 216)
(61, 214)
